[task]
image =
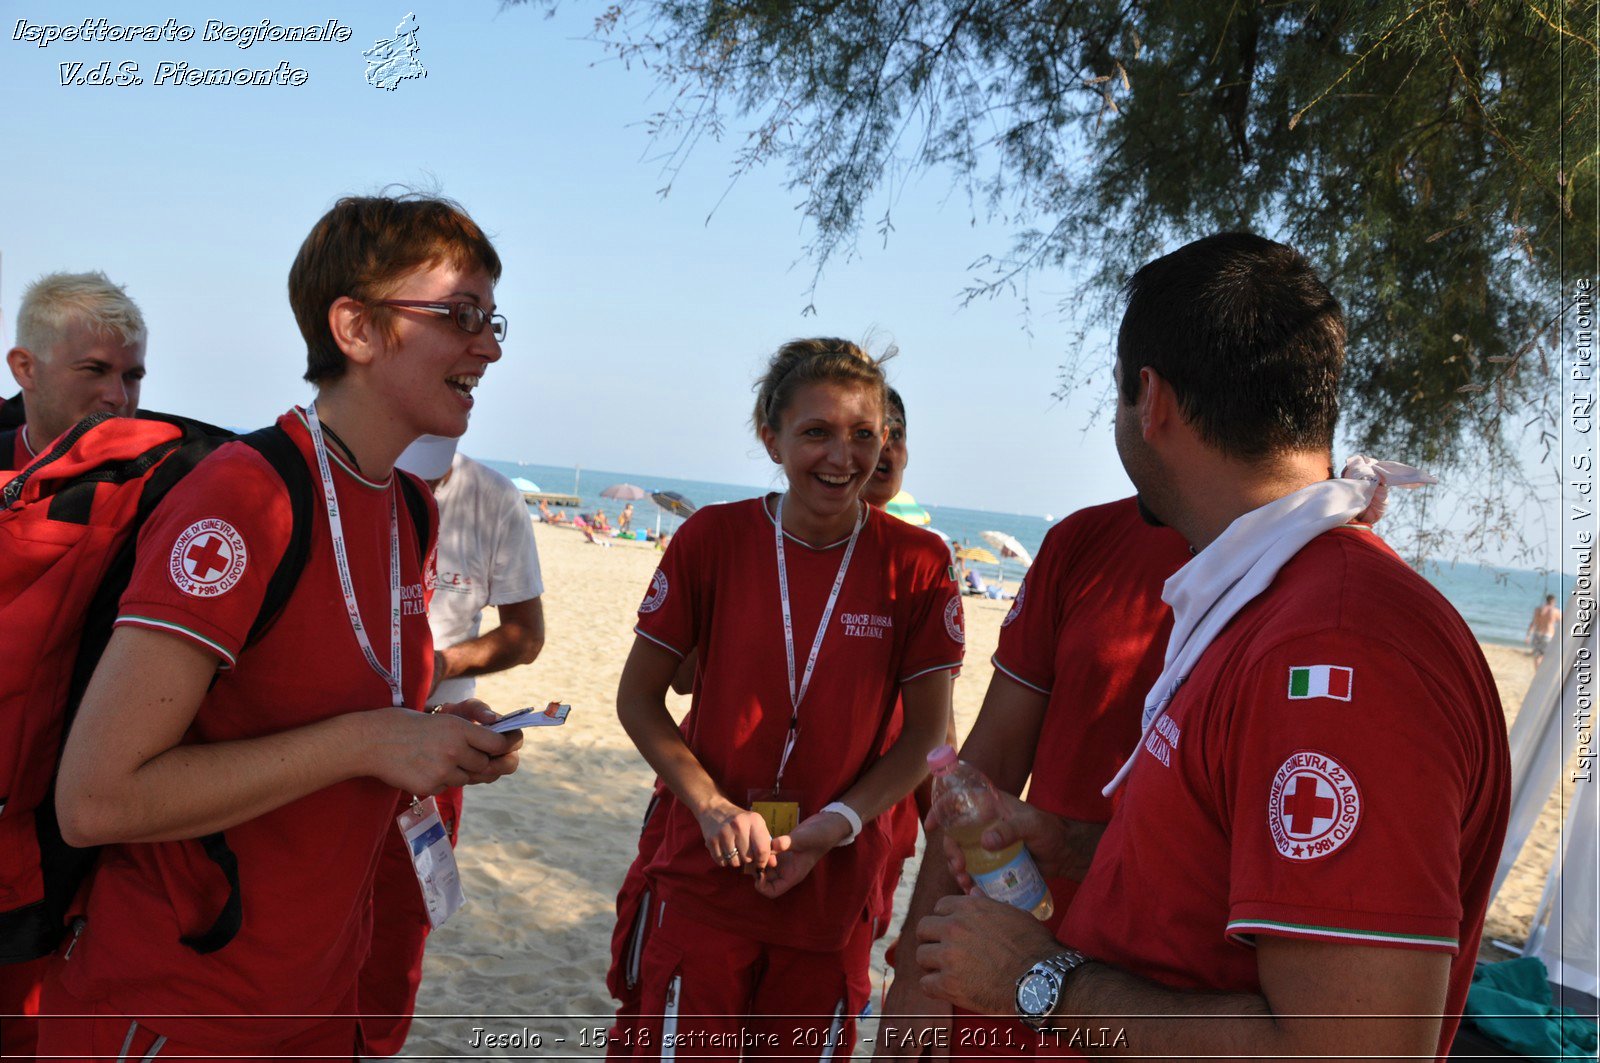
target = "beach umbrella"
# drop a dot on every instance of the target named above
(1007, 546)
(525, 485)
(977, 553)
(624, 493)
(672, 502)
(905, 508)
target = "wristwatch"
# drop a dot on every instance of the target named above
(1039, 988)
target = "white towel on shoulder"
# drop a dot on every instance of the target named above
(1225, 576)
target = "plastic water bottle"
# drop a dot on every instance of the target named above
(968, 805)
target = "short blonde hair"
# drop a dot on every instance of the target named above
(801, 362)
(56, 302)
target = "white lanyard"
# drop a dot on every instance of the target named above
(341, 560)
(798, 693)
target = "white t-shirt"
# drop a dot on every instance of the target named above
(486, 557)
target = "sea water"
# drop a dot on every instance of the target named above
(1496, 603)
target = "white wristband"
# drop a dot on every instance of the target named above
(850, 817)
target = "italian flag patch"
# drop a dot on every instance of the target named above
(1320, 681)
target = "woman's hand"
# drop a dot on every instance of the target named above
(797, 852)
(425, 753)
(734, 836)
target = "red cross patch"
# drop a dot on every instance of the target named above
(657, 593)
(1016, 606)
(955, 621)
(1314, 806)
(208, 559)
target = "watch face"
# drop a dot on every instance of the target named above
(1036, 995)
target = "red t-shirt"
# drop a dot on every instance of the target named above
(1335, 768)
(1089, 629)
(305, 869)
(898, 617)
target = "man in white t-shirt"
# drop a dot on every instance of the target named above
(486, 557)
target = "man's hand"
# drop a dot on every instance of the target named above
(974, 950)
(1061, 848)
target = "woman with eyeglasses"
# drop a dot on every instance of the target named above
(298, 748)
(812, 616)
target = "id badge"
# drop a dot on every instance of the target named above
(432, 859)
(779, 808)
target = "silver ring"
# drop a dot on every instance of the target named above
(725, 857)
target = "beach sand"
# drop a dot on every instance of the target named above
(543, 852)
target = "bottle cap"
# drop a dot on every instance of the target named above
(942, 758)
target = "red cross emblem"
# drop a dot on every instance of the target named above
(208, 558)
(1305, 806)
(1314, 806)
(207, 555)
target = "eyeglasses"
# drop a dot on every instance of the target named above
(468, 317)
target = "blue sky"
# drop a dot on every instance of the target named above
(637, 324)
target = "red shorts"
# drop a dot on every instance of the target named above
(705, 993)
(19, 1007)
(386, 988)
(75, 1029)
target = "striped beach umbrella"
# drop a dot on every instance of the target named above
(905, 508)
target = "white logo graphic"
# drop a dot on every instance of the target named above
(208, 558)
(1016, 606)
(394, 60)
(657, 593)
(1314, 807)
(953, 620)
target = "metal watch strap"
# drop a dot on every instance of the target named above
(1061, 965)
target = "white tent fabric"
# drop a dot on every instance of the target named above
(1563, 933)
(1541, 742)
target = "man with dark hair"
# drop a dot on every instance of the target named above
(1302, 854)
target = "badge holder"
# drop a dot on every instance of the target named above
(780, 809)
(432, 858)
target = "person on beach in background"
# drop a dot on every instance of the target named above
(1078, 651)
(812, 615)
(1542, 628)
(625, 518)
(80, 350)
(486, 557)
(1311, 821)
(297, 747)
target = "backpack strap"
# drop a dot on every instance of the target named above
(417, 504)
(274, 444)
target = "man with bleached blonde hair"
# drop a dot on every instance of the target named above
(80, 350)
